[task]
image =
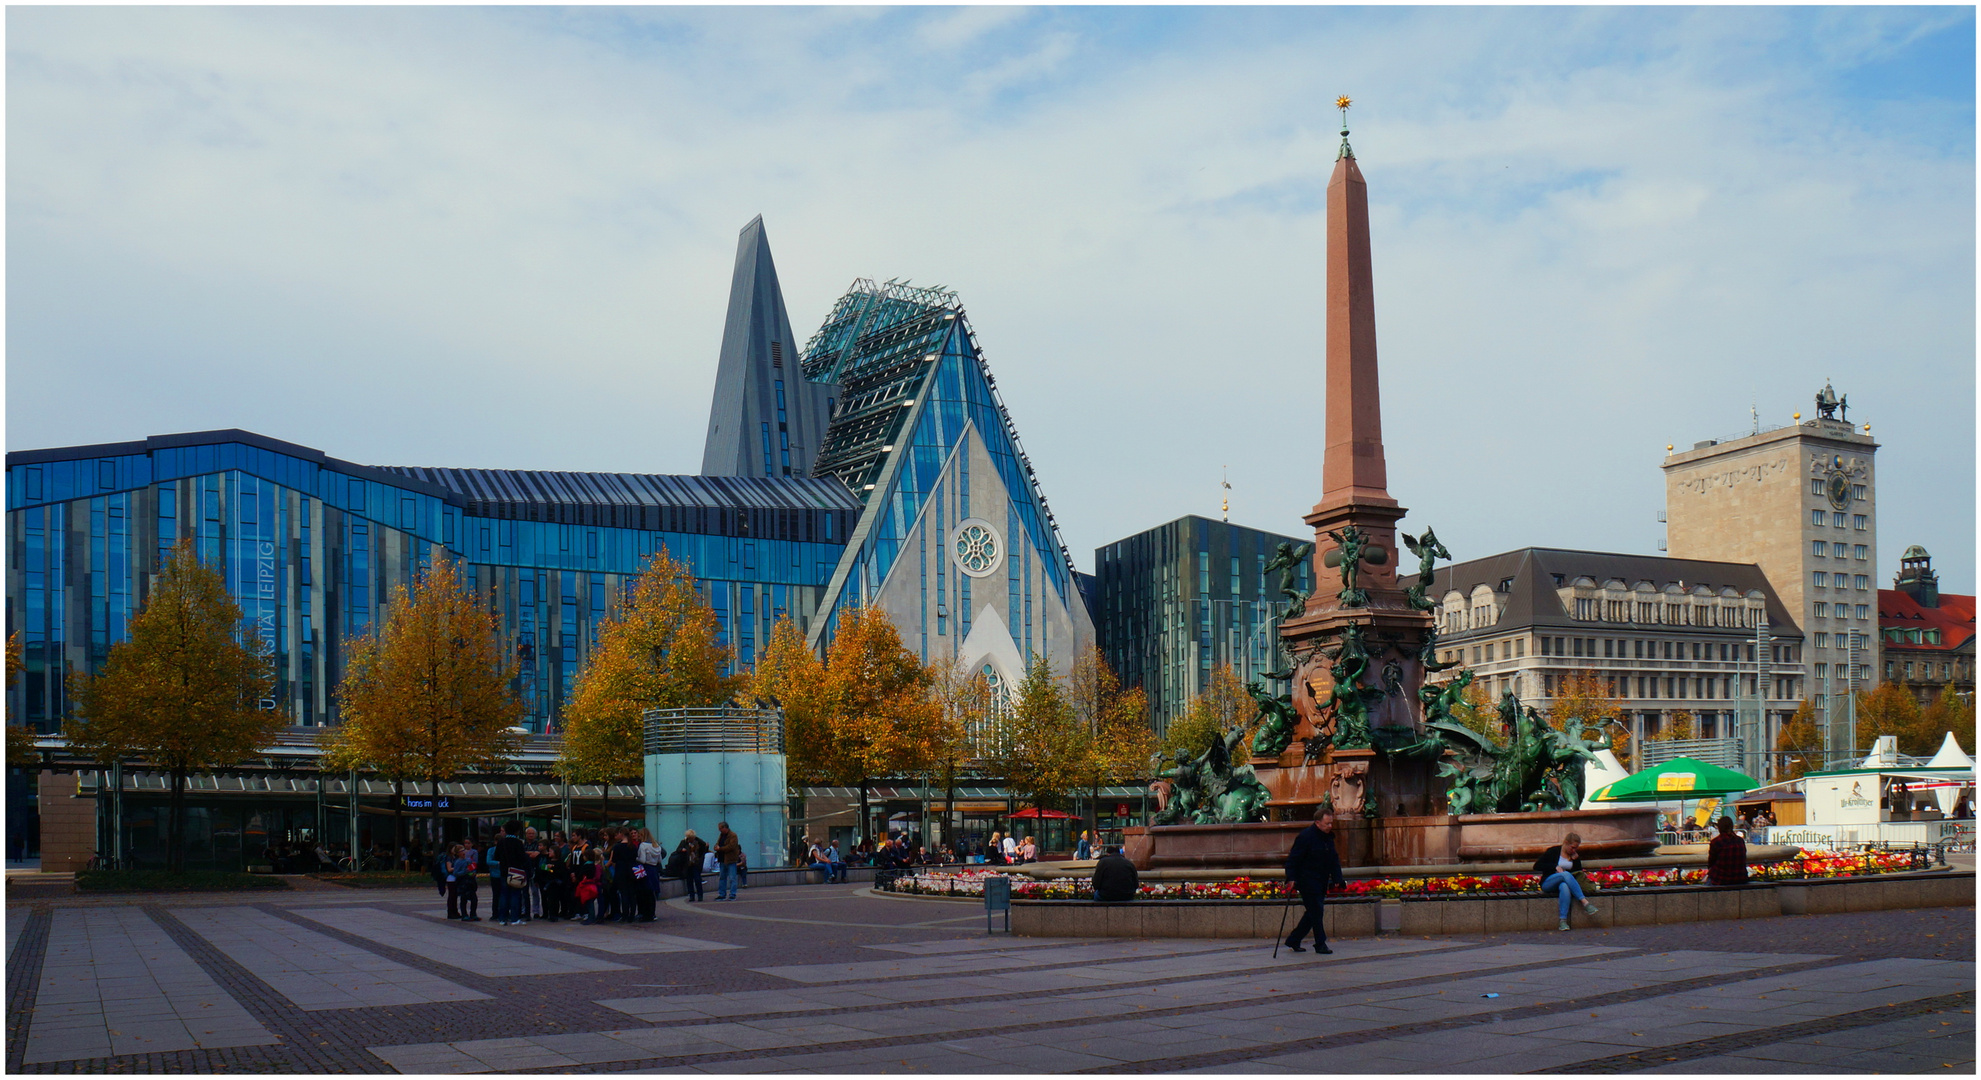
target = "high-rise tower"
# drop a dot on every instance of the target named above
(767, 418)
(1800, 502)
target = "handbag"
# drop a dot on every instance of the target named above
(513, 878)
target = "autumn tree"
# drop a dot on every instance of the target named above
(184, 690)
(969, 706)
(659, 649)
(1113, 721)
(1040, 745)
(430, 694)
(1799, 742)
(20, 737)
(1223, 704)
(1475, 709)
(791, 677)
(876, 710)
(1950, 712)
(1582, 703)
(1677, 726)
(1890, 709)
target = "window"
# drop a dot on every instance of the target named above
(1640, 655)
(1822, 610)
(1235, 578)
(1858, 493)
(1859, 522)
(1520, 647)
(1816, 518)
(1908, 669)
(1819, 548)
(1822, 580)
(1836, 519)
(1889, 665)
(1547, 646)
(1863, 611)
(1838, 549)
(1861, 550)
(1816, 487)
(1578, 646)
(1489, 651)
(1822, 641)
(1860, 583)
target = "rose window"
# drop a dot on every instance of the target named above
(978, 549)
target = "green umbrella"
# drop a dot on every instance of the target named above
(1680, 778)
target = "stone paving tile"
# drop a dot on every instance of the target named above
(999, 943)
(17, 921)
(960, 963)
(316, 971)
(605, 937)
(456, 945)
(113, 983)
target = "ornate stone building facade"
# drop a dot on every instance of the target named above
(1925, 637)
(1661, 634)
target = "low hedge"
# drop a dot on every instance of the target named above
(166, 881)
(377, 879)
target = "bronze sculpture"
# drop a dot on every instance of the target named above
(1287, 559)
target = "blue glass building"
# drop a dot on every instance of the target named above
(312, 546)
(876, 466)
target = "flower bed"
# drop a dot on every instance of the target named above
(1808, 864)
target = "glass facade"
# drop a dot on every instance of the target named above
(312, 548)
(1173, 602)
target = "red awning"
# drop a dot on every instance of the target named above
(1035, 812)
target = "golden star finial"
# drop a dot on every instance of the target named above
(1342, 102)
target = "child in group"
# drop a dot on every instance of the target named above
(465, 869)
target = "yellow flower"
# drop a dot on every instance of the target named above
(1342, 102)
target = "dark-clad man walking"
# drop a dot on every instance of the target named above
(1312, 866)
(1115, 879)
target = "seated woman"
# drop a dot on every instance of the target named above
(1558, 866)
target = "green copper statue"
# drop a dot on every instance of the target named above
(1538, 768)
(1287, 559)
(1428, 552)
(1277, 720)
(1354, 544)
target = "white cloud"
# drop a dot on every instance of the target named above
(502, 237)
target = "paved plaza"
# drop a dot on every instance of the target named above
(835, 979)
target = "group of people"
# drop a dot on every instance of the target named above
(1005, 849)
(592, 876)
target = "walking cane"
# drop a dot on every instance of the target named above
(1282, 923)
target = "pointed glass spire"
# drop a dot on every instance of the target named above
(766, 419)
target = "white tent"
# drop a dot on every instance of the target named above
(1599, 774)
(1950, 757)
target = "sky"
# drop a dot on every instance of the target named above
(502, 237)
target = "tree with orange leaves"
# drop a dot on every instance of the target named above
(876, 711)
(659, 649)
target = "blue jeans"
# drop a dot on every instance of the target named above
(1564, 885)
(725, 883)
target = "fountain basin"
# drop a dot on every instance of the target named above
(1440, 840)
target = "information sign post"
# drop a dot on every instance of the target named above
(997, 897)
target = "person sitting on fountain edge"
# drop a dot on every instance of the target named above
(1115, 879)
(1312, 866)
(1726, 857)
(1558, 866)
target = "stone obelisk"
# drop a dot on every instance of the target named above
(1358, 645)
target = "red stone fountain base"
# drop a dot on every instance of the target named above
(1608, 833)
